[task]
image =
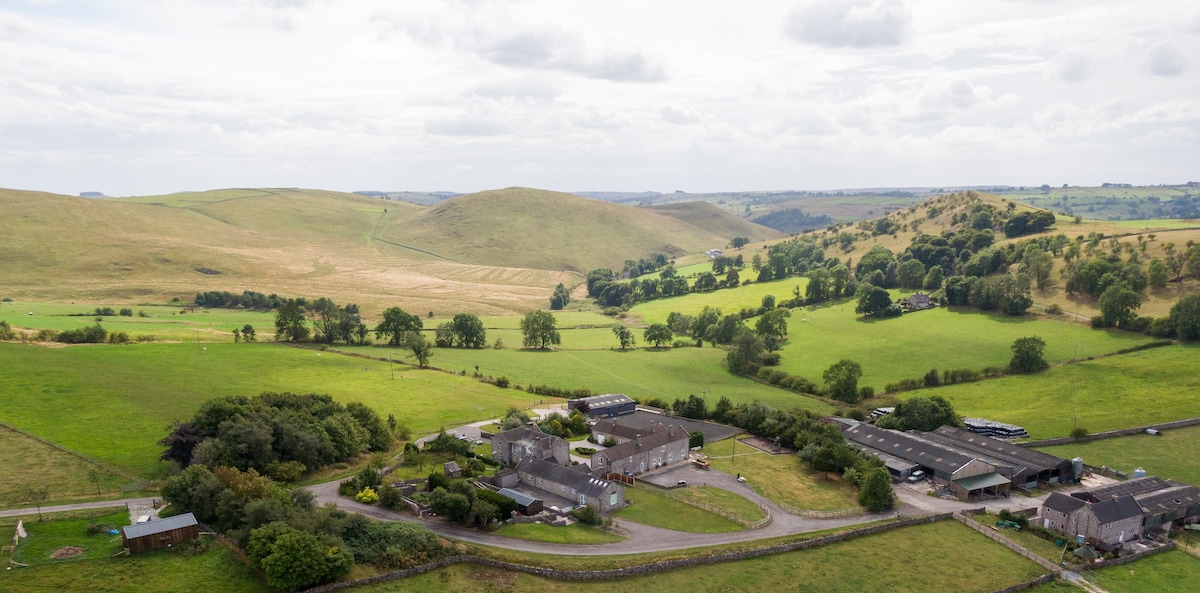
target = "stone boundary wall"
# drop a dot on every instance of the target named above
(1126, 559)
(1124, 432)
(632, 571)
(1031, 583)
(1004, 541)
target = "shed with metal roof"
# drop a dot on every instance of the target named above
(163, 533)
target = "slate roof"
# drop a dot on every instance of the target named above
(599, 402)
(616, 429)
(1177, 496)
(1062, 503)
(908, 447)
(582, 483)
(1132, 487)
(657, 436)
(1015, 454)
(159, 526)
(1116, 509)
(451, 466)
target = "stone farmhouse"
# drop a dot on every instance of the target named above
(649, 449)
(1106, 524)
(570, 483)
(513, 445)
(1164, 503)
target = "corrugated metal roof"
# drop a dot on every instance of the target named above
(908, 447)
(159, 526)
(520, 497)
(1014, 454)
(982, 481)
(607, 400)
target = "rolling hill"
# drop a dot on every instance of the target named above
(530, 228)
(473, 253)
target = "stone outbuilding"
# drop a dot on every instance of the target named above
(573, 484)
(656, 447)
(511, 446)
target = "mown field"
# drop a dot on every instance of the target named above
(113, 403)
(649, 506)
(667, 374)
(29, 463)
(911, 345)
(1135, 389)
(1172, 455)
(943, 556)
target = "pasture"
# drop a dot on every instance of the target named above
(113, 403)
(1135, 389)
(956, 558)
(782, 478)
(576, 533)
(667, 374)
(728, 300)
(1169, 572)
(909, 346)
(27, 462)
(1171, 455)
(164, 322)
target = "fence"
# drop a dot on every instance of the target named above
(1004, 541)
(722, 512)
(813, 514)
(1112, 433)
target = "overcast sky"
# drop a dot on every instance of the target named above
(157, 96)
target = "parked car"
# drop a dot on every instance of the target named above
(916, 476)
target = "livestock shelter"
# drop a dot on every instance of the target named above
(963, 473)
(164, 533)
(526, 505)
(604, 406)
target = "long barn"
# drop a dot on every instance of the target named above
(163, 533)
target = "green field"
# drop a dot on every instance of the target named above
(576, 533)
(943, 556)
(1169, 572)
(728, 300)
(162, 321)
(1135, 389)
(782, 478)
(718, 498)
(113, 403)
(45, 537)
(666, 374)
(175, 571)
(911, 345)
(650, 507)
(27, 462)
(1171, 455)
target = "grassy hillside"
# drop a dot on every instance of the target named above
(528, 228)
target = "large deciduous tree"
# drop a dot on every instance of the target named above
(657, 334)
(1185, 317)
(1118, 305)
(876, 491)
(396, 325)
(841, 380)
(537, 328)
(624, 336)
(289, 322)
(921, 413)
(1027, 355)
(468, 331)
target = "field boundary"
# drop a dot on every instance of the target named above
(670, 493)
(1108, 434)
(1008, 543)
(108, 468)
(632, 571)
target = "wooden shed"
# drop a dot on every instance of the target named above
(162, 533)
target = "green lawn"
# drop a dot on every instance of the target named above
(722, 499)
(911, 345)
(1172, 455)
(576, 533)
(113, 403)
(782, 478)
(47, 536)
(27, 462)
(1169, 572)
(1044, 548)
(943, 556)
(1156, 385)
(650, 507)
(639, 373)
(162, 571)
(728, 300)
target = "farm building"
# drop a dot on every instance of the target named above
(1024, 467)
(163, 533)
(623, 433)
(917, 302)
(653, 448)
(452, 470)
(604, 406)
(511, 446)
(526, 505)
(965, 474)
(573, 484)
(1163, 502)
(1107, 523)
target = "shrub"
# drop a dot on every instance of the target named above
(866, 392)
(367, 496)
(770, 359)
(126, 312)
(389, 498)
(348, 488)
(1054, 309)
(503, 381)
(286, 471)
(588, 515)
(1079, 432)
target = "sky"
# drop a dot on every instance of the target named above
(141, 97)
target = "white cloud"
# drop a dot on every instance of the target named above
(1167, 137)
(849, 23)
(1071, 67)
(1166, 59)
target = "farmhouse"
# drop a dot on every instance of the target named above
(1107, 523)
(572, 484)
(1163, 502)
(163, 533)
(917, 302)
(660, 445)
(604, 406)
(511, 446)
(965, 474)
